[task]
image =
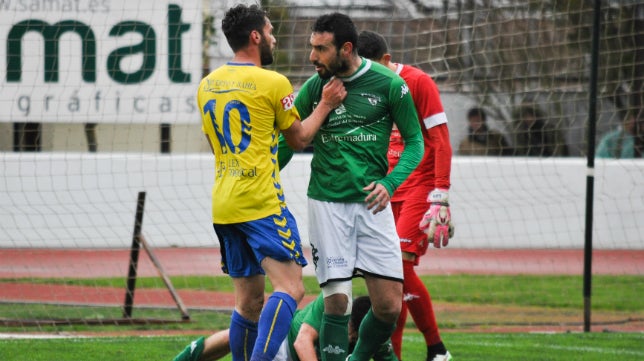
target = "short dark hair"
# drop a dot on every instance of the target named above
(239, 21)
(359, 309)
(341, 26)
(372, 45)
(477, 112)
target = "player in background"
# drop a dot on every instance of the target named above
(244, 107)
(301, 342)
(430, 182)
(351, 225)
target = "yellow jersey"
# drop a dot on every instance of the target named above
(243, 107)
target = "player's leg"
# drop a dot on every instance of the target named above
(213, 348)
(276, 242)
(276, 317)
(421, 309)
(249, 299)
(380, 322)
(413, 243)
(216, 346)
(396, 337)
(192, 352)
(361, 306)
(333, 242)
(333, 340)
(379, 259)
(239, 261)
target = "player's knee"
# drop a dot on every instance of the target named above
(250, 308)
(386, 310)
(297, 292)
(338, 297)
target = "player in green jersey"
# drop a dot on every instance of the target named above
(351, 224)
(301, 343)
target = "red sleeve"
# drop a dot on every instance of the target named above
(426, 97)
(430, 111)
(434, 170)
(439, 141)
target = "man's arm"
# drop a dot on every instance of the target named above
(300, 134)
(439, 139)
(284, 152)
(434, 120)
(406, 119)
(304, 103)
(304, 344)
(216, 346)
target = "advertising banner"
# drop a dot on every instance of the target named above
(99, 61)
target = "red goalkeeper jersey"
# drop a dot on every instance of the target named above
(435, 167)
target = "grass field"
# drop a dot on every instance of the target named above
(463, 303)
(464, 346)
(615, 293)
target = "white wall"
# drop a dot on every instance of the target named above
(89, 200)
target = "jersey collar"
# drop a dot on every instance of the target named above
(399, 67)
(239, 64)
(363, 68)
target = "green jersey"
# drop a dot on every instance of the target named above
(311, 315)
(350, 149)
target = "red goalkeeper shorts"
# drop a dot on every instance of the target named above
(407, 215)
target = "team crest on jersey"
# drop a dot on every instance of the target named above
(373, 101)
(287, 101)
(334, 350)
(404, 89)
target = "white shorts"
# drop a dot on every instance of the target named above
(283, 353)
(348, 240)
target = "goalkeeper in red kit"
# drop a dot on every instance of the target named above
(420, 204)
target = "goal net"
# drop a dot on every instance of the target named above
(97, 104)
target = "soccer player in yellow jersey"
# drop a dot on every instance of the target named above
(244, 107)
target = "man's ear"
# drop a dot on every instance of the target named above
(347, 48)
(255, 37)
(386, 58)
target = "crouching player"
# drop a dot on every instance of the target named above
(301, 342)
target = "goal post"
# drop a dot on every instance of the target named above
(138, 242)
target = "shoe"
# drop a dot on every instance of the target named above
(446, 357)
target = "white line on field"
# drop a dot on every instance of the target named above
(34, 336)
(598, 350)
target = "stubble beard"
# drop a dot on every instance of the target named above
(337, 66)
(265, 52)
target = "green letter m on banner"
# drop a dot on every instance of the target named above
(51, 35)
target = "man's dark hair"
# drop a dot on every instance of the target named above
(240, 21)
(341, 26)
(371, 45)
(359, 309)
(477, 112)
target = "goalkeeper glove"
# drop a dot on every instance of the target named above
(437, 221)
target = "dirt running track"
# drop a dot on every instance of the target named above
(91, 263)
(41, 263)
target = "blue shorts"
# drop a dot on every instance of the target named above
(245, 245)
